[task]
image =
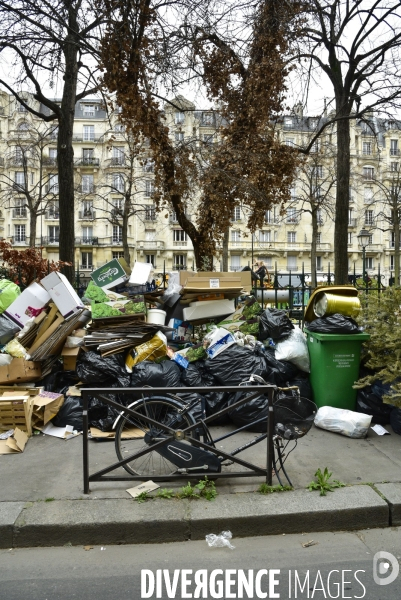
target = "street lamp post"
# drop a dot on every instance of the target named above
(363, 241)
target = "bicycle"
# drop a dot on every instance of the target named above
(160, 439)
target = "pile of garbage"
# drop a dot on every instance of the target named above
(204, 330)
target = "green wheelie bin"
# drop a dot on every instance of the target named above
(334, 367)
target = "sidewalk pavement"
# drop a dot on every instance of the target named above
(42, 501)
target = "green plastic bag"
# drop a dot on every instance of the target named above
(9, 292)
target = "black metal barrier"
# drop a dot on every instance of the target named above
(170, 434)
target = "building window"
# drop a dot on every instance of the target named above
(86, 260)
(179, 118)
(288, 121)
(179, 235)
(53, 210)
(369, 218)
(368, 173)
(394, 167)
(270, 216)
(53, 184)
(53, 154)
(118, 183)
(89, 133)
(319, 263)
(319, 238)
(179, 136)
(317, 171)
(349, 238)
(289, 141)
(117, 234)
(150, 213)
(19, 233)
(235, 237)
(89, 110)
(392, 262)
(87, 209)
(87, 235)
(264, 236)
(149, 188)
(119, 128)
(179, 262)
(207, 118)
(350, 217)
(292, 216)
(291, 263)
(87, 184)
(54, 234)
(208, 138)
(394, 150)
(117, 254)
(236, 213)
(366, 148)
(291, 237)
(368, 195)
(148, 166)
(19, 178)
(151, 258)
(150, 235)
(118, 155)
(369, 262)
(315, 146)
(235, 263)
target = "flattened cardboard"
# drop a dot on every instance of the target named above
(244, 276)
(15, 444)
(109, 275)
(16, 411)
(127, 434)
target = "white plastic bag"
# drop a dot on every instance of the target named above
(220, 541)
(5, 359)
(349, 423)
(294, 349)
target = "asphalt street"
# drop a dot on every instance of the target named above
(322, 565)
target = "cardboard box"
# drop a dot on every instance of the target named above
(208, 309)
(243, 276)
(109, 275)
(20, 371)
(14, 444)
(70, 356)
(27, 305)
(62, 293)
(44, 407)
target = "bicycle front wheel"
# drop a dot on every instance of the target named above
(133, 432)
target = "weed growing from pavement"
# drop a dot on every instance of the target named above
(270, 489)
(203, 489)
(323, 483)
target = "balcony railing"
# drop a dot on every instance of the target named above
(19, 239)
(87, 241)
(87, 215)
(87, 161)
(151, 244)
(50, 239)
(352, 222)
(88, 267)
(87, 138)
(394, 151)
(180, 243)
(86, 189)
(51, 189)
(52, 215)
(291, 268)
(1, 161)
(19, 213)
(115, 161)
(292, 220)
(48, 161)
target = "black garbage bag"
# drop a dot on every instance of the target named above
(164, 374)
(305, 388)
(333, 324)
(191, 376)
(70, 413)
(8, 329)
(275, 324)
(253, 413)
(371, 404)
(395, 420)
(93, 368)
(277, 372)
(198, 410)
(236, 364)
(214, 401)
(58, 380)
(101, 415)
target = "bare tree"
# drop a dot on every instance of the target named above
(52, 45)
(356, 45)
(32, 186)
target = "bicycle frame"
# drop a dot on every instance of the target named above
(136, 393)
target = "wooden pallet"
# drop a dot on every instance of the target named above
(16, 412)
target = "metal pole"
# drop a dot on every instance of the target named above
(270, 444)
(85, 442)
(252, 250)
(363, 266)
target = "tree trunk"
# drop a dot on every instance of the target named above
(32, 228)
(313, 248)
(342, 201)
(396, 218)
(225, 250)
(65, 152)
(125, 231)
